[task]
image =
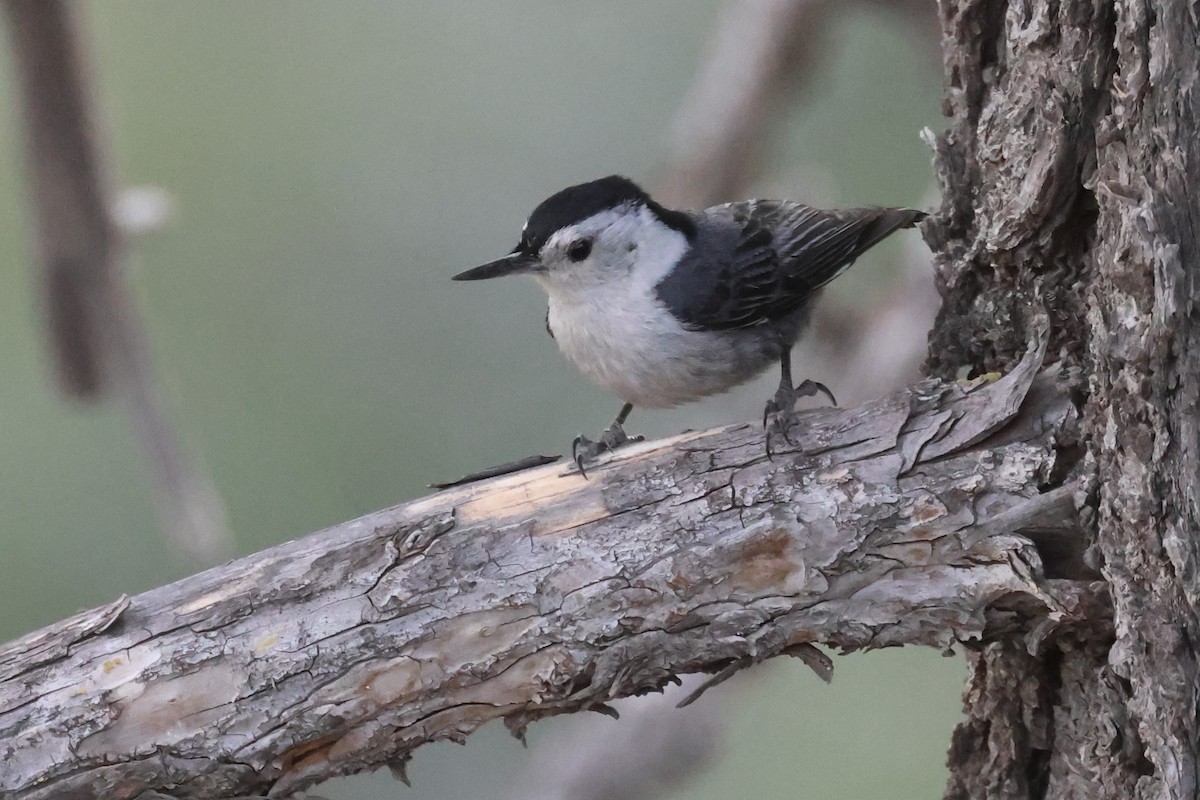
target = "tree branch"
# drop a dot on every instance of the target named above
(902, 521)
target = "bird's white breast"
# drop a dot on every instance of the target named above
(607, 319)
(625, 340)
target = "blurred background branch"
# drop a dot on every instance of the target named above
(760, 50)
(97, 337)
(77, 243)
(651, 750)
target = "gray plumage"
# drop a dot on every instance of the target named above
(757, 261)
(663, 307)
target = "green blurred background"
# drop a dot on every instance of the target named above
(331, 165)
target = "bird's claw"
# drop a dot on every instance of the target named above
(584, 449)
(809, 388)
(780, 410)
(779, 423)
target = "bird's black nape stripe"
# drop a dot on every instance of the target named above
(674, 219)
(577, 203)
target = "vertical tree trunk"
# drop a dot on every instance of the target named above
(1067, 176)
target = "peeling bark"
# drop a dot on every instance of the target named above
(941, 514)
(1068, 177)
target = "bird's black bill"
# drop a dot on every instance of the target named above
(511, 264)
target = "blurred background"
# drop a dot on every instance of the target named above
(327, 167)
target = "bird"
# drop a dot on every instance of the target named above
(664, 306)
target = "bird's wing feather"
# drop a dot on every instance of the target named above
(762, 260)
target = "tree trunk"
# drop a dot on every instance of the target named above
(1066, 180)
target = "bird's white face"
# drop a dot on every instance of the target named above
(625, 249)
(600, 274)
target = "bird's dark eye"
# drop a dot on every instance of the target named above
(579, 250)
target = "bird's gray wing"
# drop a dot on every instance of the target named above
(759, 260)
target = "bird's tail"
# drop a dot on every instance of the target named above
(823, 244)
(880, 223)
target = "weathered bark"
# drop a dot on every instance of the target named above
(909, 520)
(1068, 178)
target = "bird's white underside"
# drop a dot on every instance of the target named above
(607, 320)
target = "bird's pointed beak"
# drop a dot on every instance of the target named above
(515, 263)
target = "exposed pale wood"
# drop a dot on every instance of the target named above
(896, 522)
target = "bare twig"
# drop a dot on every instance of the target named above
(97, 337)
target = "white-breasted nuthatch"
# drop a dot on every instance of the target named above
(664, 307)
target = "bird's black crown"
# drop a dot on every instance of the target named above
(577, 203)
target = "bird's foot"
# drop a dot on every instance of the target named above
(780, 414)
(584, 449)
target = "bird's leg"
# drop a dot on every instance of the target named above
(781, 409)
(584, 449)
